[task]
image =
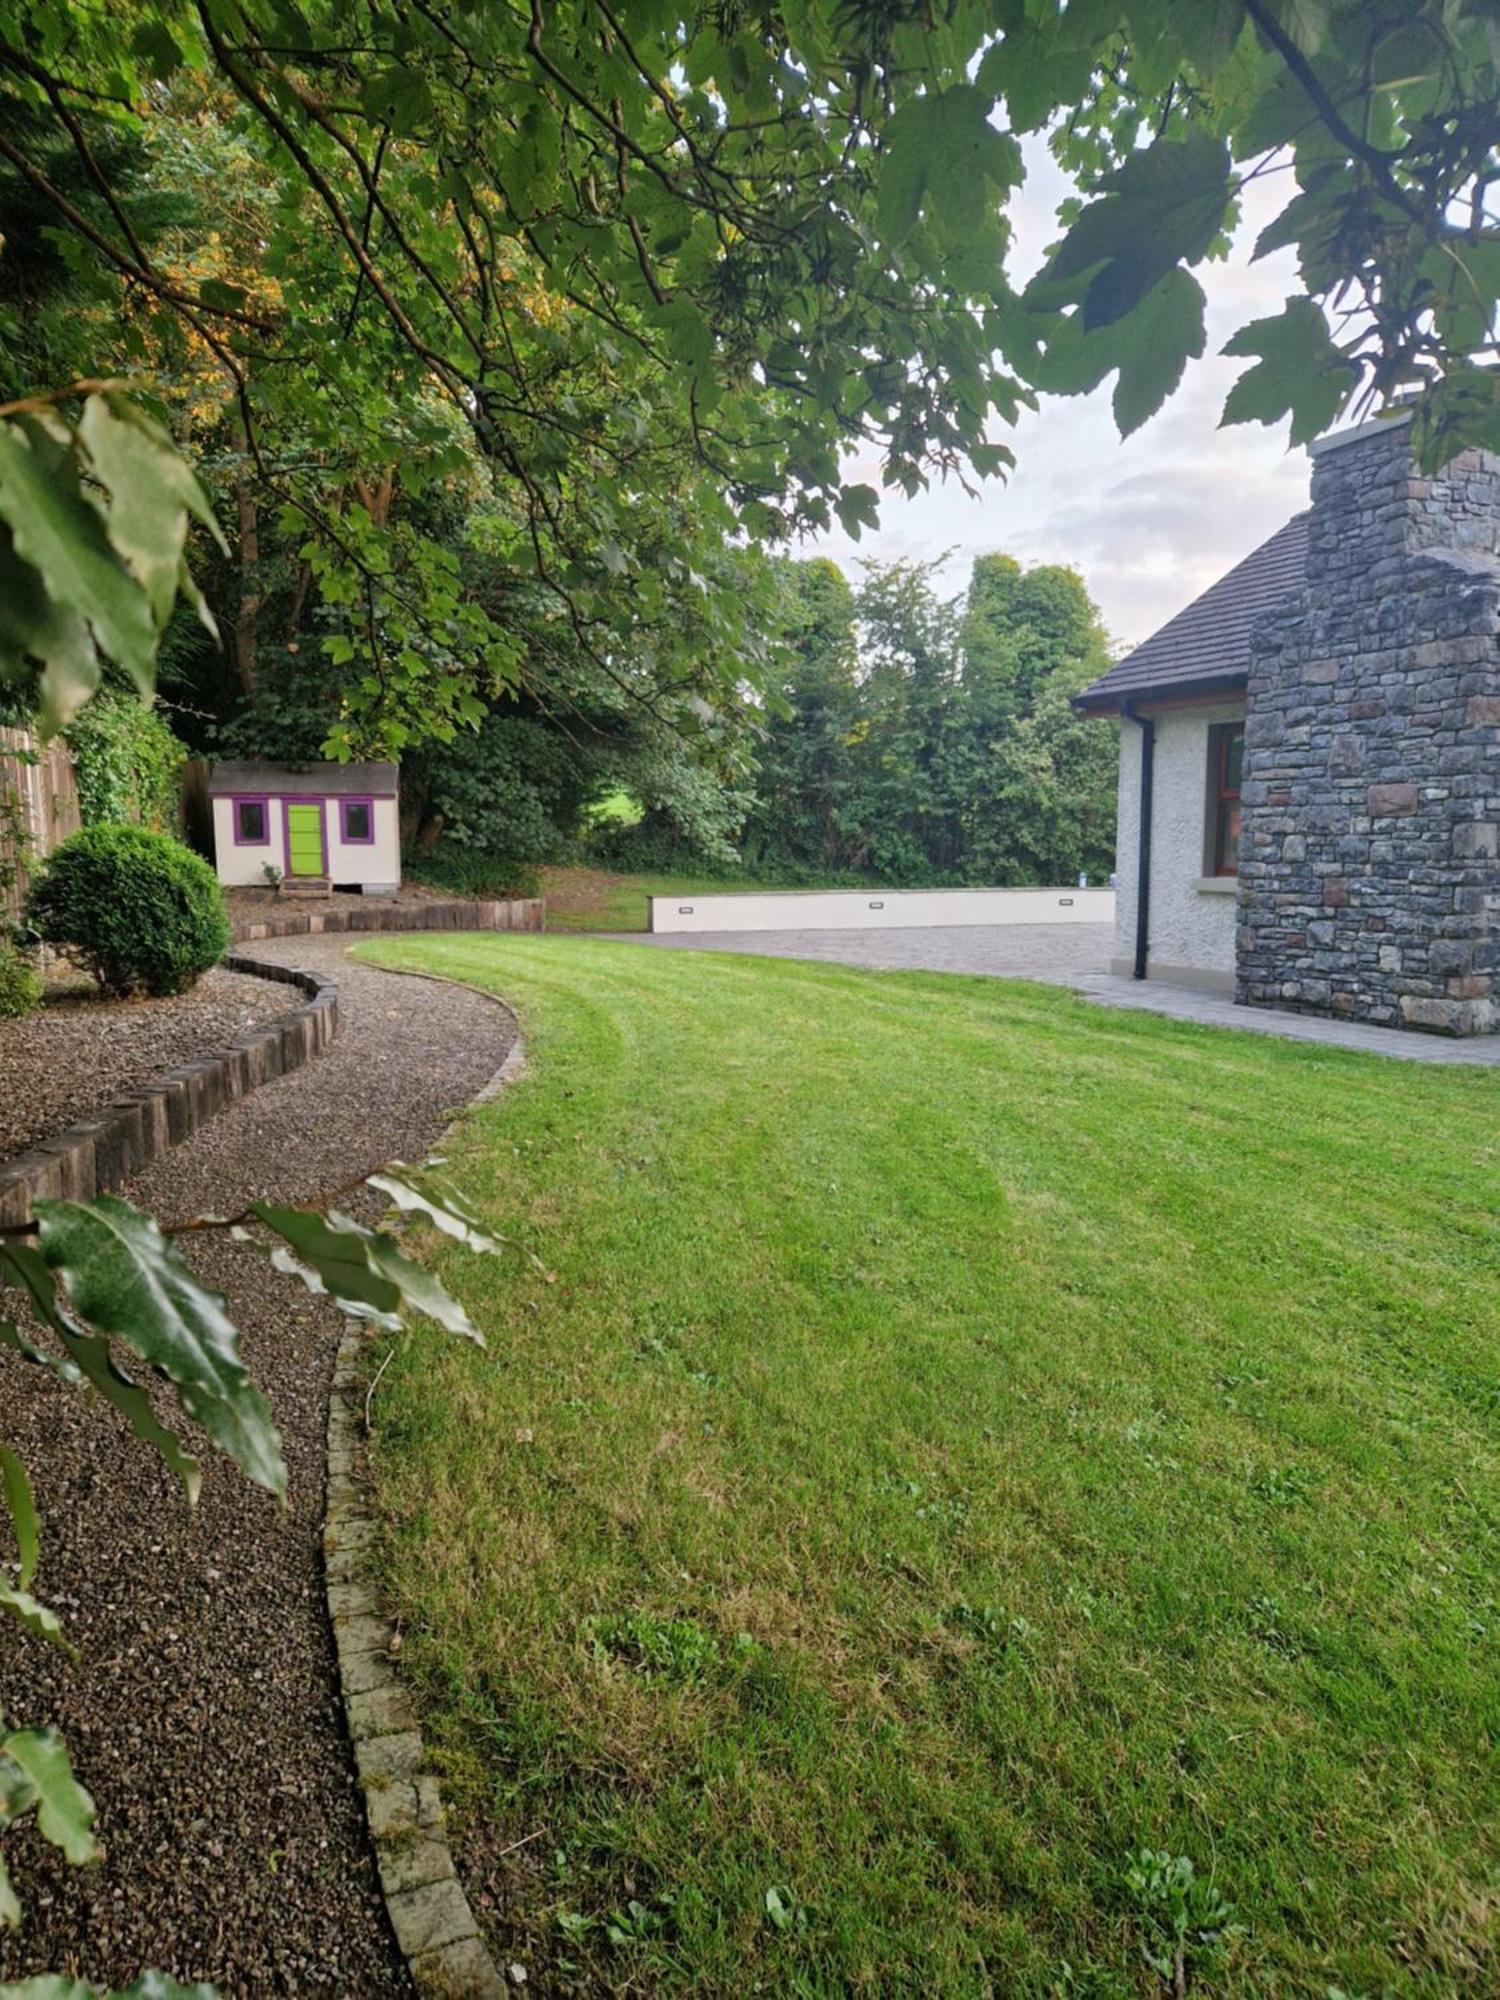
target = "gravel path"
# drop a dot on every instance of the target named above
(203, 1710)
(74, 1056)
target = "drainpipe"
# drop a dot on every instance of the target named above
(1147, 727)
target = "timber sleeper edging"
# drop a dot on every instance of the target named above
(442, 914)
(99, 1153)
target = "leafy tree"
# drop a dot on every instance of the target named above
(605, 262)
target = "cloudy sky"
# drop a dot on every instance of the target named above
(1151, 521)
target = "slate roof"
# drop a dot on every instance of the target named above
(1207, 646)
(373, 781)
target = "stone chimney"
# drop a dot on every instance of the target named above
(1370, 802)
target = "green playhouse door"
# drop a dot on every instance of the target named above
(304, 840)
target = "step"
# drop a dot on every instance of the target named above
(317, 886)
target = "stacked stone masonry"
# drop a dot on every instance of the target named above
(1370, 842)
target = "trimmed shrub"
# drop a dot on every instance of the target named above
(138, 910)
(20, 984)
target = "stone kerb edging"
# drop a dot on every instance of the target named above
(99, 1153)
(434, 1924)
(523, 914)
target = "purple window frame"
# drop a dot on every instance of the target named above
(260, 799)
(356, 839)
(290, 799)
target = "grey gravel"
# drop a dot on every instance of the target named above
(76, 1054)
(203, 1709)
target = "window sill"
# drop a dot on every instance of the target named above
(1217, 885)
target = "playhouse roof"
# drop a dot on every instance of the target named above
(1206, 648)
(374, 781)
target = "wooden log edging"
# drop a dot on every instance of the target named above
(436, 1930)
(441, 914)
(99, 1153)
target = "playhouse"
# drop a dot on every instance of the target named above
(311, 825)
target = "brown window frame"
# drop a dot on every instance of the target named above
(1221, 851)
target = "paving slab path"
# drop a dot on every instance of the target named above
(1073, 955)
(203, 1710)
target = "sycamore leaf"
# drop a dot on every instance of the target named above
(1155, 344)
(1299, 372)
(1164, 206)
(86, 1357)
(942, 153)
(858, 507)
(129, 1280)
(56, 529)
(64, 1810)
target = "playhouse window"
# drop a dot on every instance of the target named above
(359, 820)
(1226, 757)
(251, 822)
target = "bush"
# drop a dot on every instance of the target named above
(20, 987)
(465, 871)
(127, 763)
(137, 910)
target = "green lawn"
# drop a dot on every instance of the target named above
(960, 1437)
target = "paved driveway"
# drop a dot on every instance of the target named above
(1061, 954)
(1075, 955)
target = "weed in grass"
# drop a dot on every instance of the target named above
(1187, 1924)
(785, 1910)
(638, 1922)
(1284, 1485)
(679, 1649)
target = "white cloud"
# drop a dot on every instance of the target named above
(1149, 521)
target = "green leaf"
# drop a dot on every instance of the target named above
(22, 1507)
(10, 1916)
(126, 1278)
(57, 531)
(36, 631)
(416, 1193)
(37, 1617)
(942, 153)
(64, 1810)
(1163, 207)
(1300, 372)
(1155, 343)
(366, 1266)
(87, 1357)
(152, 493)
(858, 508)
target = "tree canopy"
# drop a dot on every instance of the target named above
(648, 282)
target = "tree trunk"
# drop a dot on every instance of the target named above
(250, 595)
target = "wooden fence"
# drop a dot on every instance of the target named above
(38, 808)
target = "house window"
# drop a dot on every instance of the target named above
(358, 825)
(1226, 758)
(252, 822)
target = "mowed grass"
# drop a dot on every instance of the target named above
(593, 899)
(960, 1437)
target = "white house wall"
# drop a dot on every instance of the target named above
(241, 867)
(1191, 937)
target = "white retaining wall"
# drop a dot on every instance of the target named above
(878, 909)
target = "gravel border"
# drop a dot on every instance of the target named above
(434, 1924)
(205, 1707)
(100, 1153)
